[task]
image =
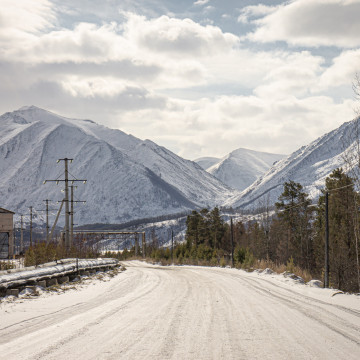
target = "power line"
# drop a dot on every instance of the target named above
(66, 199)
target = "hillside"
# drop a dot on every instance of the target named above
(241, 167)
(309, 166)
(127, 178)
(206, 162)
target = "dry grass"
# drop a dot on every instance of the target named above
(280, 268)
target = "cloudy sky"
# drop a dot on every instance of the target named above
(200, 77)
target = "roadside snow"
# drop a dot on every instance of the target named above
(184, 312)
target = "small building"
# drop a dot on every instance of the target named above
(6, 234)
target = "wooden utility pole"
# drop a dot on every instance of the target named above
(67, 235)
(21, 235)
(72, 201)
(55, 222)
(232, 242)
(47, 219)
(72, 215)
(326, 280)
(136, 244)
(172, 245)
(31, 225)
(14, 240)
(143, 244)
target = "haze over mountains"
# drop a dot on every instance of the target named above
(127, 178)
(240, 168)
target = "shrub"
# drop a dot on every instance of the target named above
(290, 266)
(222, 262)
(239, 255)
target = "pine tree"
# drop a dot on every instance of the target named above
(343, 230)
(193, 226)
(294, 214)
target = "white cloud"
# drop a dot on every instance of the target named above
(86, 42)
(25, 16)
(248, 13)
(126, 75)
(342, 71)
(278, 72)
(201, 2)
(311, 23)
(216, 127)
(180, 38)
(297, 75)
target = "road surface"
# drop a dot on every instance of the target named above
(154, 312)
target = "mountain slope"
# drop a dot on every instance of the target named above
(241, 167)
(206, 162)
(127, 178)
(309, 166)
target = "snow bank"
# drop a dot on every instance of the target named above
(20, 276)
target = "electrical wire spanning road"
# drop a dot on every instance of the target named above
(153, 312)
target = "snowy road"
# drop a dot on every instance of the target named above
(150, 312)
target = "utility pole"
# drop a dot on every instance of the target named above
(143, 244)
(55, 222)
(66, 200)
(67, 239)
(136, 244)
(172, 245)
(232, 242)
(21, 235)
(72, 201)
(326, 281)
(14, 240)
(31, 225)
(72, 215)
(47, 219)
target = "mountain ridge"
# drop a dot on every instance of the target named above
(309, 166)
(128, 178)
(241, 167)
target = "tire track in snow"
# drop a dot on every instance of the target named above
(307, 309)
(84, 330)
(153, 312)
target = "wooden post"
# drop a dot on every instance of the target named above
(172, 245)
(21, 236)
(232, 242)
(72, 216)
(143, 244)
(326, 280)
(136, 244)
(31, 226)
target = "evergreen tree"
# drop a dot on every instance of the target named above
(294, 214)
(205, 227)
(217, 228)
(343, 231)
(193, 227)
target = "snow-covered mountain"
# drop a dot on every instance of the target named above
(309, 166)
(241, 167)
(206, 162)
(127, 178)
